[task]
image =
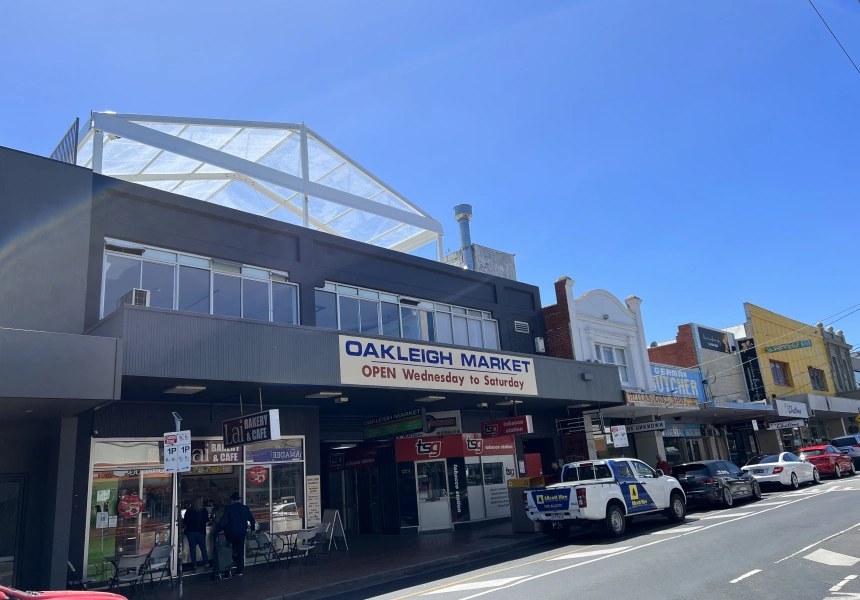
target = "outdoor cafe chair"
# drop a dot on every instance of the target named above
(129, 570)
(75, 581)
(260, 546)
(321, 539)
(158, 562)
(305, 544)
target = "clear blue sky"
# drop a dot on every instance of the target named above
(695, 154)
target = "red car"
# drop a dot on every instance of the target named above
(828, 460)
(13, 594)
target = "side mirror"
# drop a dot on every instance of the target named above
(659, 474)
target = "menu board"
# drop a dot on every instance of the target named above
(313, 508)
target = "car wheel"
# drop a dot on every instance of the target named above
(794, 483)
(816, 476)
(756, 491)
(677, 508)
(559, 531)
(615, 521)
(728, 499)
(853, 471)
(837, 473)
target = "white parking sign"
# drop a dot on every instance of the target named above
(619, 436)
(177, 452)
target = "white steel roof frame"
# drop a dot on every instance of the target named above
(103, 127)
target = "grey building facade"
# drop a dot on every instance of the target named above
(244, 314)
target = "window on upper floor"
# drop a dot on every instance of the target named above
(180, 281)
(360, 310)
(613, 355)
(780, 372)
(817, 379)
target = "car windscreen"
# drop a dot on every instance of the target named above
(808, 453)
(691, 469)
(760, 460)
(843, 441)
(586, 472)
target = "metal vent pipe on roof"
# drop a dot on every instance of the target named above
(463, 212)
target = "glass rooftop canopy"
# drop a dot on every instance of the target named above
(282, 171)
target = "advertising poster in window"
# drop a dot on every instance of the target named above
(458, 493)
(402, 364)
(710, 339)
(313, 511)
(752, 370)
(497, 471)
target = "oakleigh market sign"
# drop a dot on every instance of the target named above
(366, 361)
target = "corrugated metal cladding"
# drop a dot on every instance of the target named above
(132, 419)
(171, 344)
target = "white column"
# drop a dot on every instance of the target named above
(634, 304)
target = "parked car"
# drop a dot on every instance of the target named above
(828, 460)
(716, 481)
(784, 468)
(850, 445)
(7, 593)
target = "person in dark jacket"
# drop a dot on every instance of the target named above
(195, 520)
(234, 524)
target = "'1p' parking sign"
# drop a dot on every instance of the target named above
(177, 451)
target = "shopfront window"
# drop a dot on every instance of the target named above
(275, 484)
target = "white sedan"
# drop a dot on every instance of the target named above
(784, 468)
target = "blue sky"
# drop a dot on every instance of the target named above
(697, 155)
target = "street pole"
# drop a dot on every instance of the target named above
(177, 423)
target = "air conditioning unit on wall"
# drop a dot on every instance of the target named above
(136, 297)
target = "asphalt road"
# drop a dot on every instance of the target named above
(795, 545)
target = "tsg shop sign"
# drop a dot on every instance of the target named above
(371, 362)
(250, 429)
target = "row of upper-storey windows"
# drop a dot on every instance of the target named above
(191, 283)
(181, 281)
(360, 310)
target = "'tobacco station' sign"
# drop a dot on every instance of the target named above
(365, 361)
(250, 429)
(510, 426)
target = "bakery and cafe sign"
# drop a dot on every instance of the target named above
(401, 364)
(250, 429)
(660, 400)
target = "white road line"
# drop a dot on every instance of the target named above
(745, 575)
(778, 503)
(839, 585)
(725, 516)
(829, 537)
(833, 559)
(591, 553)
(677, 530)
(475, 585)
(660, 541)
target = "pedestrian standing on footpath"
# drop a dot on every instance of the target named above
(195, 520)
(234, 524)
(662, 465)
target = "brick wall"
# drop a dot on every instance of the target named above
(557, 324)
(682, 353)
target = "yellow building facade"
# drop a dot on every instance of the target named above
(792, 355)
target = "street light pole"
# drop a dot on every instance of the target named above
(177, 422)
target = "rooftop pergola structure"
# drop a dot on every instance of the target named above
(282, 171)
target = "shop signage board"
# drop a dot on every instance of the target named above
(251, 429)
(785, 408)
(660, 400)
(214, 452)
(402, 364)
(177, 451)
(676, 381)
(351, 458)
(752, 371)
(510, 426)
(710, 339)
(790, 346)
(408, 421)
(313, 506)
(786, 425)
(649, 426)
(280, 452)
(682, 430)
(458, 492)
(441, 422)
(449, 446)
(619, 436)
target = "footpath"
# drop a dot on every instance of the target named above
(370, 560)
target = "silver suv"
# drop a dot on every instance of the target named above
(850, 445)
